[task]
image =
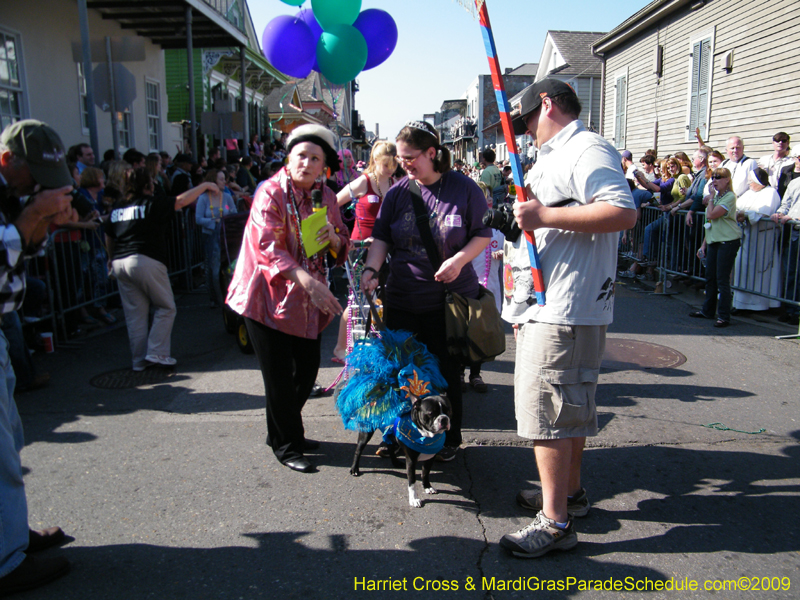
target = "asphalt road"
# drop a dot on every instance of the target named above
(169, 491)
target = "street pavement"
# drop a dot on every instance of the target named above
(170, 492)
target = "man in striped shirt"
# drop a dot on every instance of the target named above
(34, 192)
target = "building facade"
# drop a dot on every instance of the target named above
(723, 67)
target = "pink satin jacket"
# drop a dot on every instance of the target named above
(270, 247)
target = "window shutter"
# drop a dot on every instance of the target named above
(702, 88)
(619, 117)
(693, 104)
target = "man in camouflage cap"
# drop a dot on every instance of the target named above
(34, 192)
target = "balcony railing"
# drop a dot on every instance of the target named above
(230, 9)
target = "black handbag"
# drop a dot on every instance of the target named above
(475, 332)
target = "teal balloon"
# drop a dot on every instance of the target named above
(293, 2)
(341, 53)
(335, 12)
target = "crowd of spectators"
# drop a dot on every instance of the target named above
(681, 189)
(83, 291)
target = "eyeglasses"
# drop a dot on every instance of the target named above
(715, 177)
(408, 161)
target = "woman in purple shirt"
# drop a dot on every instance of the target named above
(415, 291)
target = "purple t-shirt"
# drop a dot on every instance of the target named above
(666, 189)
(458, 219)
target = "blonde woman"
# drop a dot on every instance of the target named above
(721, 244)
(118, 171)
(367, 191)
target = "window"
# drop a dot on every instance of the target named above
(11, 81)
(700, 73)
(125, 129)
(620, 108)
(153, 107)
(235, 15)
(83, 101)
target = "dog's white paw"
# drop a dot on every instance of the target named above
(431, 490)
(413, 501)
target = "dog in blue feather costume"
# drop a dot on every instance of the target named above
(393, 383)
(381, 377)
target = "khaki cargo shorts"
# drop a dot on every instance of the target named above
(555, 380)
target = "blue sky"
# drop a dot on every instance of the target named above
(440, 50)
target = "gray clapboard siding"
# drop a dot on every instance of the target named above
(759, 97)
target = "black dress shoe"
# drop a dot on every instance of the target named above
(33, 572)
(310, 445)
(44, 539)
(299, 464)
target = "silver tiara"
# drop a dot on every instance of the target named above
(422, 126)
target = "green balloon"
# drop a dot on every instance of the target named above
(341, 53)
(335, 12)
(293, 2)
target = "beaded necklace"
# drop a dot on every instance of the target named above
(211, 204)
(378, 185)
(487, 253)
(436, 196)
(315, 263)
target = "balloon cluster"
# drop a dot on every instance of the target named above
(334, 37)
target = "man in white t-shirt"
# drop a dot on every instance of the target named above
(738, 164)
(578, 201)
(778, 160)
(628, 166)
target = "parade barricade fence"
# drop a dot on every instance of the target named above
(74, 268)
(767, 264)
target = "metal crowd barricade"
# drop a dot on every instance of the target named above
(767, 265)
(74, 269)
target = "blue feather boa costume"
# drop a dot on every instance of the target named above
(381, 376)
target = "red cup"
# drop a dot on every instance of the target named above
(47, 340)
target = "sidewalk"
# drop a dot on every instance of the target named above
(170, 492)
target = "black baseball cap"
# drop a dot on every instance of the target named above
(532, 99)
(42, 149)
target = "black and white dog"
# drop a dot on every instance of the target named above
(420, 434)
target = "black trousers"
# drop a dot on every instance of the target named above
(430, 330)
(721, 258)
(289, 366)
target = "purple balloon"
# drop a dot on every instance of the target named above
(289, 45)
(380, 31)
(316, 30)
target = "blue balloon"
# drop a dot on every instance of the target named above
(289, 45)
(316, 30)
(380, 32)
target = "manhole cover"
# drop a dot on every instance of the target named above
(624, 354)
(126, 378)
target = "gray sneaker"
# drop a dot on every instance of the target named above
(577, 506)
(539, 538)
